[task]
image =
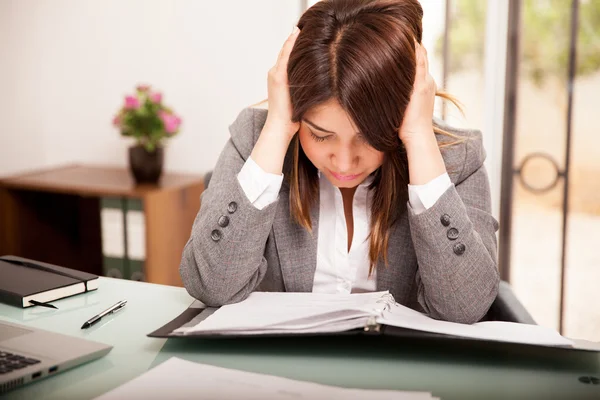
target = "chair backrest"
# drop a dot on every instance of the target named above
(507, 307)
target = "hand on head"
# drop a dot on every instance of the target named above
(280, 105)
(419, 112)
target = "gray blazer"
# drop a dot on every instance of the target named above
(441, 262)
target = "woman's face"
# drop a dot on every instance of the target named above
(333, 144)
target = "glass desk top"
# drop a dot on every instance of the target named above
(352, 361)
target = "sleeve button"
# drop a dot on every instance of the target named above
(452, 234)
(232, 207)
(459, 249)
(216, 235)
(223, 221)
(445, 220)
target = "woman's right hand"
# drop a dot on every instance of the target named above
(279, 118)
(278, 131)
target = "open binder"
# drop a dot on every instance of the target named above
(199, 321)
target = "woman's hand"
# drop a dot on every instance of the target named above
(278, 131)
(280, 104)
(419, 113)
(425, 161)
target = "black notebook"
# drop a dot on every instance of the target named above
(25, 283)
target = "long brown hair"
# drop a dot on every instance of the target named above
(361, 53)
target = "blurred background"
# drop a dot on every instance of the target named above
(527, 72)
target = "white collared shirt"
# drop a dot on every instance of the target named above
(338, 270)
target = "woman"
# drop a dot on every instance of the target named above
(346, 184)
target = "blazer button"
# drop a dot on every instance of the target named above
(445, 220)
(223, 221)
(232, 207)
(459, 249)
(216, 235)
(452, 234)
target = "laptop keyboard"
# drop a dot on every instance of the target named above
(10, 362)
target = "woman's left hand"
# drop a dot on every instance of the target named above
(419, 113)
(425, 161)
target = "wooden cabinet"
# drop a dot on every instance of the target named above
(54, 216)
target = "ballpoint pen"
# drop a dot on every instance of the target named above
(104, 313)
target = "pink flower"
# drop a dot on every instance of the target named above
(143, 88)
(132, 103)
(117, 121)
(170, 121)
(156, 97)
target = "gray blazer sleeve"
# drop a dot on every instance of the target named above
(222, 262)
(457, 274)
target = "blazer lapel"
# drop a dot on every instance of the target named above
(296, 247)
(399, 276)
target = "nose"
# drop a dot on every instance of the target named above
(345, 160)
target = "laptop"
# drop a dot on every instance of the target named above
(30, 354)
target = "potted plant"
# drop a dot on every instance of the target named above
(145, 118)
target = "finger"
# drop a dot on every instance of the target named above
(426, 59)
(284, 54)
(421, 64)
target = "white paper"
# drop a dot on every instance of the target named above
(265, 311)
(405, 317)
(181, 379)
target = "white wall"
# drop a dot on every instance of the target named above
(65, 66)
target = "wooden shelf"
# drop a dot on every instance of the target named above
(53, 215)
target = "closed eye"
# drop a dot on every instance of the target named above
(318, 138)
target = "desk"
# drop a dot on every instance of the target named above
(362, 362)
(54, 216)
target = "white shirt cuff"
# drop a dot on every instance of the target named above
(261, 188)
(423, 197)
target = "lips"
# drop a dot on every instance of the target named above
(344, 177)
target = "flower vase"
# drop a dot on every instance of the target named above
(146, 166)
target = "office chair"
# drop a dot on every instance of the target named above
(506, 307)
